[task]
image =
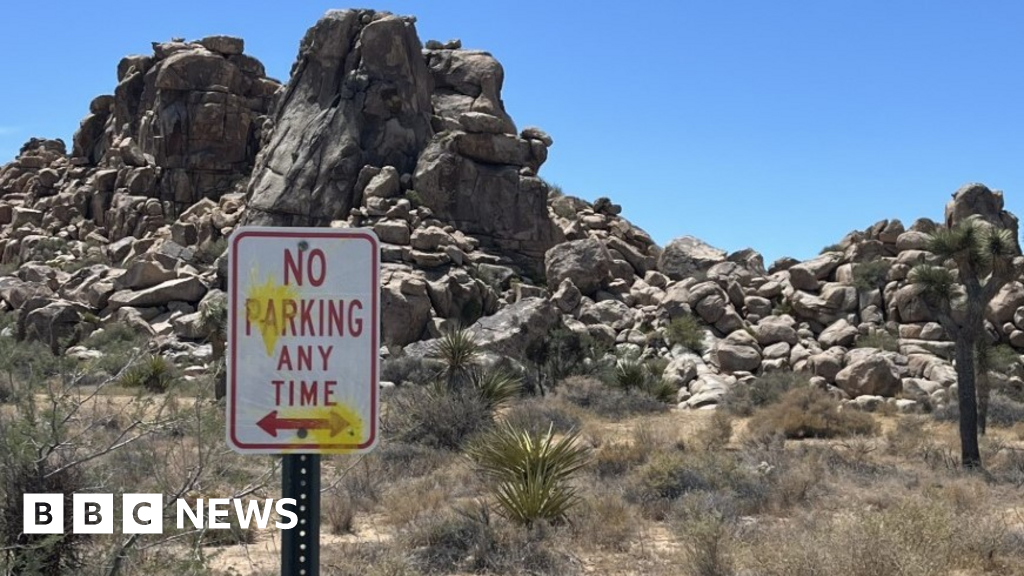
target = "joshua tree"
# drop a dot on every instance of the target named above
(980, 260)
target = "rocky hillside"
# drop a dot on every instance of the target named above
(377, 129)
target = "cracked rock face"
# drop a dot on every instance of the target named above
(182, 125)
(359, 95)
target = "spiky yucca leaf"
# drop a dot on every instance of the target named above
(998, 242)
(457, 351)
(938, 282)
(632, 374)
(496, 385)
(531, 471)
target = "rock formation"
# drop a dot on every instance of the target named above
(375, 130)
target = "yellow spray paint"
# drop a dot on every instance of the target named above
(353, 433)
(264, 307)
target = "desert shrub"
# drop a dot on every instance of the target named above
(871, 275)
(152, 373)
(686, 331)
(400, 369)
(766, 389)
(832, 248)
(715, 433)
(605, 521)
(707, 545)
(436, 416)
(783, 308)
(367, 559)
(898, 540)
(234, 535)
(397, 460)
(21, 473)
(668, 476)
(24, 363)
(908, 438)
(471, 541)
(536, 415)
(338, 512)
(879, 339)
(209, 251)
(565, 353)
(631, 374)
(531, 471)
(810, 413)
(617, 458)
(606, 401)
(119, 344)
(408, 501)
(1002, 411)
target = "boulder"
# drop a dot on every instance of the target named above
(1005, 303)
(586, 263)
(977, 199)
(188, 289)
(738, 353)
(516, 329)
(405, 309)
(839, 333)
(687, 257)
(875, 375)
(56, 324)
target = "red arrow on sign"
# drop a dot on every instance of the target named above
(271, 423)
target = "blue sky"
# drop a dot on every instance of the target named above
(780, 126)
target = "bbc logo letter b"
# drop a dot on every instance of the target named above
(43, 514)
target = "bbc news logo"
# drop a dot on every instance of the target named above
(143, 513)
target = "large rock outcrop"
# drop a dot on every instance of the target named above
(359, 96)
(183, 124)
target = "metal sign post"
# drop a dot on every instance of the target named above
(303, 360)
(300, 546)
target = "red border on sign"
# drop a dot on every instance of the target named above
(374, 352)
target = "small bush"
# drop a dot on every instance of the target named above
(766, 389)
(605, 522)
(1002, 412)
(606, 401)
(470, 541)
(708, 545)
(810, 413)
(536, 415)
(338, 513)
(532, 471)
(879, 339)
(617, 458)
(716, 432)
(668, 476)
(564, 353)
(871, 275)
(686, 331)
(405, 370)
(832, 248)
(436, 416)
(153, 373)
(209, 251)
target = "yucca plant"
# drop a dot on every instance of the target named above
(531, 471)
(632, 374)
(457, 352)
(495, 385)
(213, 318)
